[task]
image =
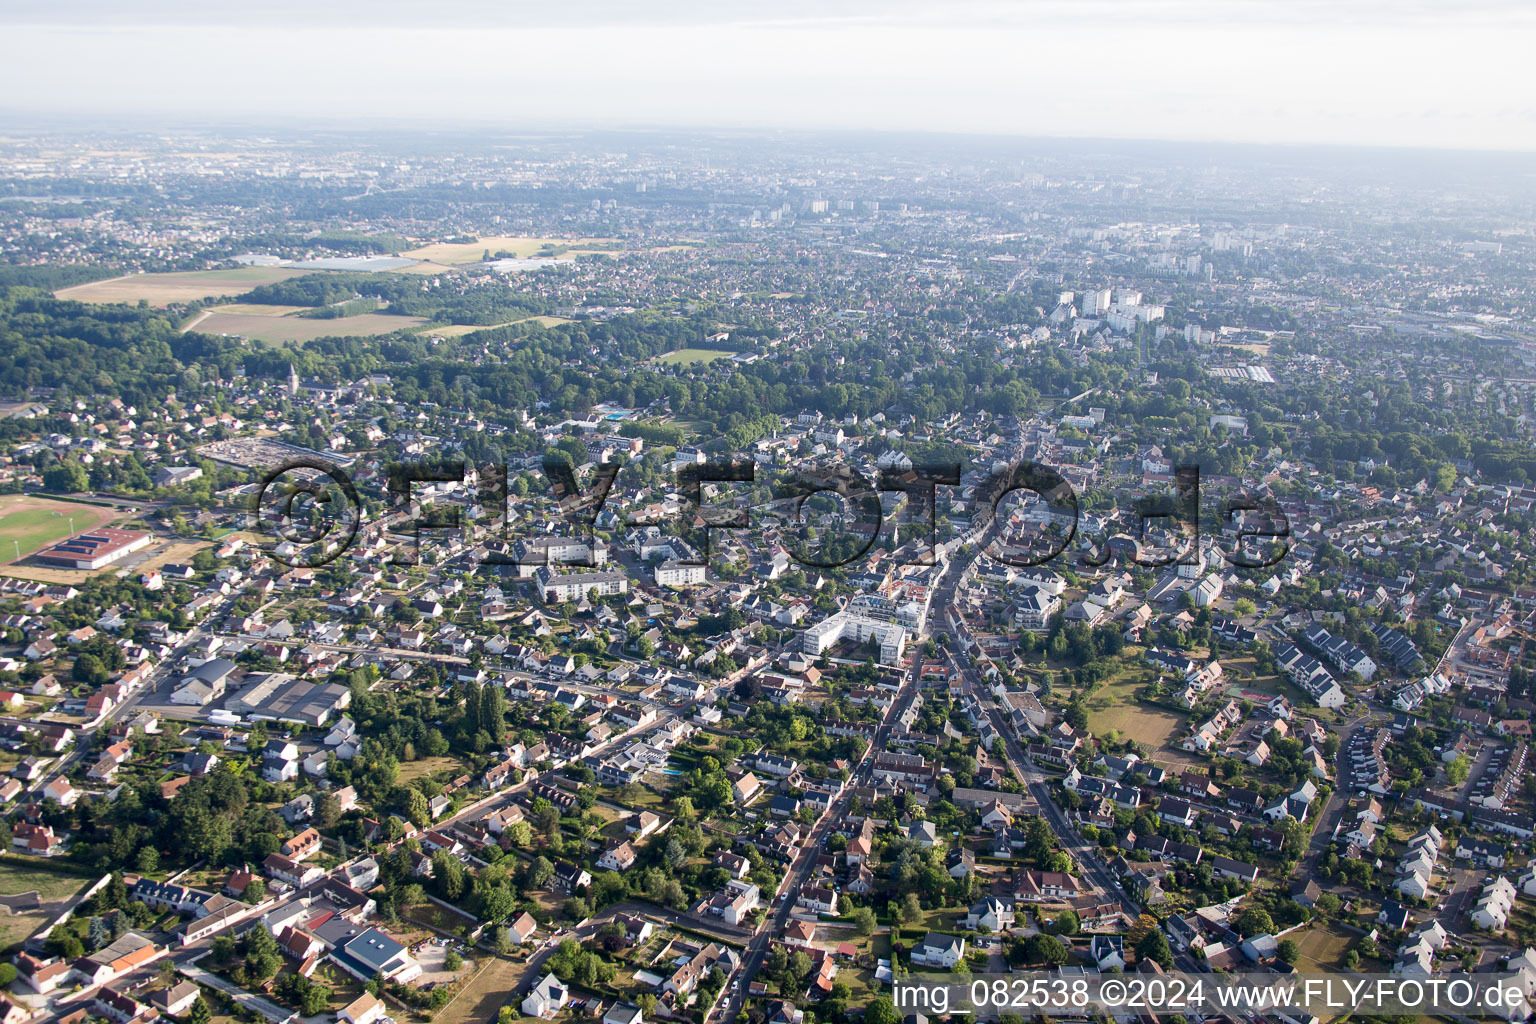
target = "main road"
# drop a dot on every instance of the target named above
(1036, 782)
(798, 873)
(799, 870)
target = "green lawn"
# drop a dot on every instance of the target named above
(689, 356)
(410, 771)
(16, 879)
(14, 928)
(434, 916)
(1321, 947)
(1113, 707)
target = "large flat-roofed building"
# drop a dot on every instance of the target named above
(576, 585)
(845, 625)
(674, 573)
(532, 552)
(95, 548)
(279, 697)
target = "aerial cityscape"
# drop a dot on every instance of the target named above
(660, 575)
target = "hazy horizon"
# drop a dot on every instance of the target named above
(1369, 74)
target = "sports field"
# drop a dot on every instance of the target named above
(163, 289)
(689, 356)
(286, 330)
(29, 523)
(518, 245)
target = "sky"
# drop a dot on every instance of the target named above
(1410, 73)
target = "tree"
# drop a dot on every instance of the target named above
(327, 810)
(493, 718)
(799, 968)
(881, 1011)
(1154, 946)
(314, 1000)
(778, 962)
(452, 961)
(1288, 950)
(540, 871)
(98, 932)
(1045, 949)
(519, 834)
(89, 669)
(1458, 770)
(1254, 921)
(417, 808)
(66, 946)
(864, 921)
(495, 904)
(448, 873)
(199, 1013)
(68, 475)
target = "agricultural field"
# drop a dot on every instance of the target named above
(29, 523)
(549, 321)
(288, 330)
(454, 253)
(460, 330)
(690, 356)
(257, 309)
(424, 267)
(189, 286)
